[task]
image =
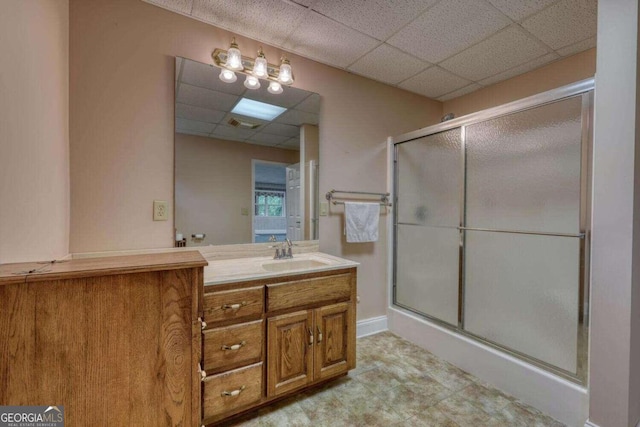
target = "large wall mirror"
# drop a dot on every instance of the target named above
(246, 160)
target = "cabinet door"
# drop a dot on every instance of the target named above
(335, 340)
(289, 349)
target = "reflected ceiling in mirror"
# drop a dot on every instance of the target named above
(246, 160)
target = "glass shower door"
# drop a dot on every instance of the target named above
(428, 190)
(523, 240)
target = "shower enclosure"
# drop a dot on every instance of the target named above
(491, 227)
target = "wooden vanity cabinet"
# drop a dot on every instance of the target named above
(307, 324)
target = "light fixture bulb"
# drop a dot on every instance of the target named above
(275, 88)
(285, 76)
(234, 57)
(228, 76)
(252, 82)
(260, 65)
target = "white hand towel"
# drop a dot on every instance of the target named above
(361, 221)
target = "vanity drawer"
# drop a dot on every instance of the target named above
(232, 345)
(309, 291)
(233, 304)
(223, 393)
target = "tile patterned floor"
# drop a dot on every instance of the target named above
(396, 383)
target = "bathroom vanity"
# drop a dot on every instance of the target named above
(272, 328)
(160, 339)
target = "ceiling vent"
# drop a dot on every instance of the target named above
(237, 123)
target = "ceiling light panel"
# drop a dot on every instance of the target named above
(496, 54)
(434, 82)
(269, 21)
(377, 18)
(205, 98)
(388, 64)
(259, 110)
(329, 42)
(564, 23)
(432, 36)
(518, 10)
(192, 112)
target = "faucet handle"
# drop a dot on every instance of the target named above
(272, 238)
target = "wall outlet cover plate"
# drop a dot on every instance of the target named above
(160, 210)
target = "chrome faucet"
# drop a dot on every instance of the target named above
(283, 251)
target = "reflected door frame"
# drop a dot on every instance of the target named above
(255, 162)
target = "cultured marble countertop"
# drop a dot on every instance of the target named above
(233, 270)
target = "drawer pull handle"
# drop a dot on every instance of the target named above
(319, 335)
(234, 306)
(203, 324)
(310, 336)
(203, 374)
(232, 393)
(235, 346)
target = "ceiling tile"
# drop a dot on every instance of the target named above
(231, 133)
(289, 97)
(192, 112)
(206, 98)
(329, 42)
(207, 76)
(266, 138)
(297, 118)
(269, 21)
(377, 18)
(456, 93)
(447, 28)
(578, 47)
(520, 9)
(229, 116)
(310, 104)
(520, 69)
(496, 54)
(190, 132)
(434, 82)
(564, 23)
(194, 125)
(388, 64)
(282, 129)
(181, 6)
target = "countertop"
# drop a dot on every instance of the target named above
(234, 270)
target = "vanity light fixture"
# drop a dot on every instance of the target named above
(232, 62)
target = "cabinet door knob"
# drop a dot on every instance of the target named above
(203, 324)
(310, 336)
(233, 392)
(234, 306)
(319, 335)
(235, 346)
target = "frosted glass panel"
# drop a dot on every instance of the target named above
(523, 170)
(521, 291)
(427, 270)
(430, 179)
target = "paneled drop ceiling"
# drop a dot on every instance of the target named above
(440, 49)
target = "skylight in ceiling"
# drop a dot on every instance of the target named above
(258, 110)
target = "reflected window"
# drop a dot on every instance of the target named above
(270, 203)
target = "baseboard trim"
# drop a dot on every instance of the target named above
(590, 424)
(370, 326)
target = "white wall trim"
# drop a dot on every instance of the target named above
(562, 399)
(371, 326)
(590, 424)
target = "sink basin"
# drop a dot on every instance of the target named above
(293, 264)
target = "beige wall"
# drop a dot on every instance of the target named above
(213, 184)
(34, 130)
(121, 99)
(572, 69)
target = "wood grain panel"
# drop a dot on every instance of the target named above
(216, 404)
(250, 301)
(17, 343)
(248, 336)
(332, 351)
(308, 292)
(289, 352)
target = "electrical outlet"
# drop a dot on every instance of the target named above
(324, 208)
(160, 210)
